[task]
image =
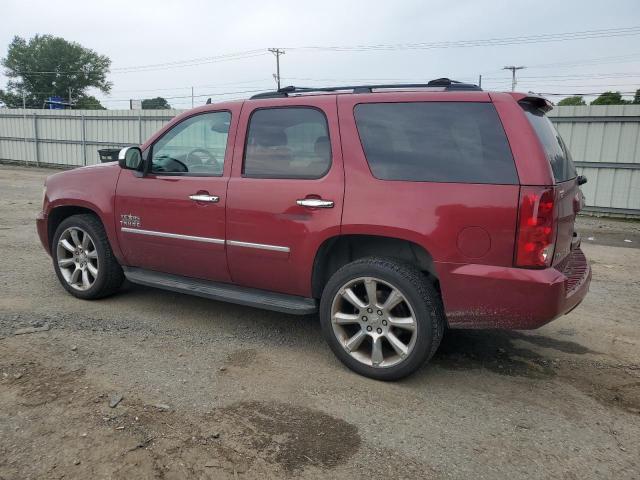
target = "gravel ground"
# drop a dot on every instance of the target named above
(211, 390)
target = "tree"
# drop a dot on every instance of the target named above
(610, 98)
(573, 101)
(157, 103)
(88, 103)
(636, 97)
(47, 66)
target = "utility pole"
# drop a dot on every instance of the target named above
(69, 97)
(480, 81)
(277, 52)
(24, 100)
(513, 75)
(191, 97)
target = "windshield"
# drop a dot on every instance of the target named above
(555, 148)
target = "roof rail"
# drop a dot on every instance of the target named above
(447, 84)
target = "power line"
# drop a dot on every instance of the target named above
(583, 94)
(217, 94)
(538, 38)
(525, 39)
(183, 87)
(575, 76)
(589, 62)
(195, 60)
(603, 85)
(153, 67)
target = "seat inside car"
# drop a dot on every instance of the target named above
(269, 153)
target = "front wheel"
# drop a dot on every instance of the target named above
(382, 318)
(83, 259)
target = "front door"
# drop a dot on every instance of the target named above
(173, 219)
(285, 193)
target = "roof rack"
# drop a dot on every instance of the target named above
(447, 84)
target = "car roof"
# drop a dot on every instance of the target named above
(450, 89)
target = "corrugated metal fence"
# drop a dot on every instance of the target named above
(605, 144)
(73, 137)
(604, 141)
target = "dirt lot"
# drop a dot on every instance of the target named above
(211, 390)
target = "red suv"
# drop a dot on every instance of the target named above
(393, 210)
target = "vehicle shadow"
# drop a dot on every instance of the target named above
(505, 352)
(502, 352)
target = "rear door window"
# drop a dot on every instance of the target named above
(555, 148)
(287, 142)
(435, 142)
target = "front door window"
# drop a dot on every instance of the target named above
(195, 146)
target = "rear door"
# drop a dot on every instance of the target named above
(285, 193)
(569, 199)
(172, 220)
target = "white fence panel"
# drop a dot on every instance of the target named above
(72, 138)
(605, 144)
(604, 141)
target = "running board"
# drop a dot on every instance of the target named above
(225, 292)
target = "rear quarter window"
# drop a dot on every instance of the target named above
(460, 142)
(554, 147)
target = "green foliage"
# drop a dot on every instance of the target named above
(572, 101)
(636, 97)
(610, 98)
(46, 66)
(88, 103)
(157, 103)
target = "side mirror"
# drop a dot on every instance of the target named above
(130, 158)
(582, 179)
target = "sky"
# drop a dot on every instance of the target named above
(138, 33)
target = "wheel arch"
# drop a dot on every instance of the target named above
(61, 212)
(339, 250)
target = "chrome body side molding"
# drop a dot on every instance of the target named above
(152, 233)
(219, 241)
(259, 246)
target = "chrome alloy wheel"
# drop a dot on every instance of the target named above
(374, 322)
(77, 258)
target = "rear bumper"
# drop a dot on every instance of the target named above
(484, 296)
(41, 226)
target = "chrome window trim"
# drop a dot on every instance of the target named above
(152, 233)
(260, 246)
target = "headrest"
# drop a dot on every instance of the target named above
(322, 147)
(270, 137)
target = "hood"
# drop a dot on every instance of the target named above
(89, 169)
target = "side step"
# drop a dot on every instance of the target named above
(225, 292)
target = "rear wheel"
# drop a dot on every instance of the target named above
(83, 259)
(382, 318)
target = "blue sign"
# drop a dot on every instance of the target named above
(56, 103)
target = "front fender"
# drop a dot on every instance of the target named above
(91, 188)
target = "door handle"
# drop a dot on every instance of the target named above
(201, 197)
(315, 203)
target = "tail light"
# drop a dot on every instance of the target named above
(535, 239)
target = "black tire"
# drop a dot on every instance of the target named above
(424, 299)
(110, 275)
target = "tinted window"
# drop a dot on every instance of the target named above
(287, 143)
(195, 146)
(555, 148)
(436, 142)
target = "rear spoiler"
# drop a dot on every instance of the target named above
(535, 100)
